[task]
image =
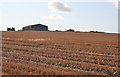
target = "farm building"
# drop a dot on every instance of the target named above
(36, 27)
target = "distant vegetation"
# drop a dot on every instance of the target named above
(71, 30)
(96, 31)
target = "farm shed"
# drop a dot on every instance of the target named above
(36, 27)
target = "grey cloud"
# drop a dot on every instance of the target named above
(58, 6)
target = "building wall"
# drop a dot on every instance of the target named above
(40, 28)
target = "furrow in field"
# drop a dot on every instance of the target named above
(22, 68)
(99, 61)
(60, 62)
(72, 47)
(62, 51)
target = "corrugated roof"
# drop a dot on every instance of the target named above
(35, 25)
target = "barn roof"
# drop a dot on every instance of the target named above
(35, 25)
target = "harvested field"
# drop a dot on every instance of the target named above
(59, 53)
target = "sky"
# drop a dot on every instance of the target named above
(60, 15)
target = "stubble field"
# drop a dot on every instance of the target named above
(59, 53)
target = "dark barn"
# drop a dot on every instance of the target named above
(36, 27)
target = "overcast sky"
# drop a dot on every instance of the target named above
(60, 15)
